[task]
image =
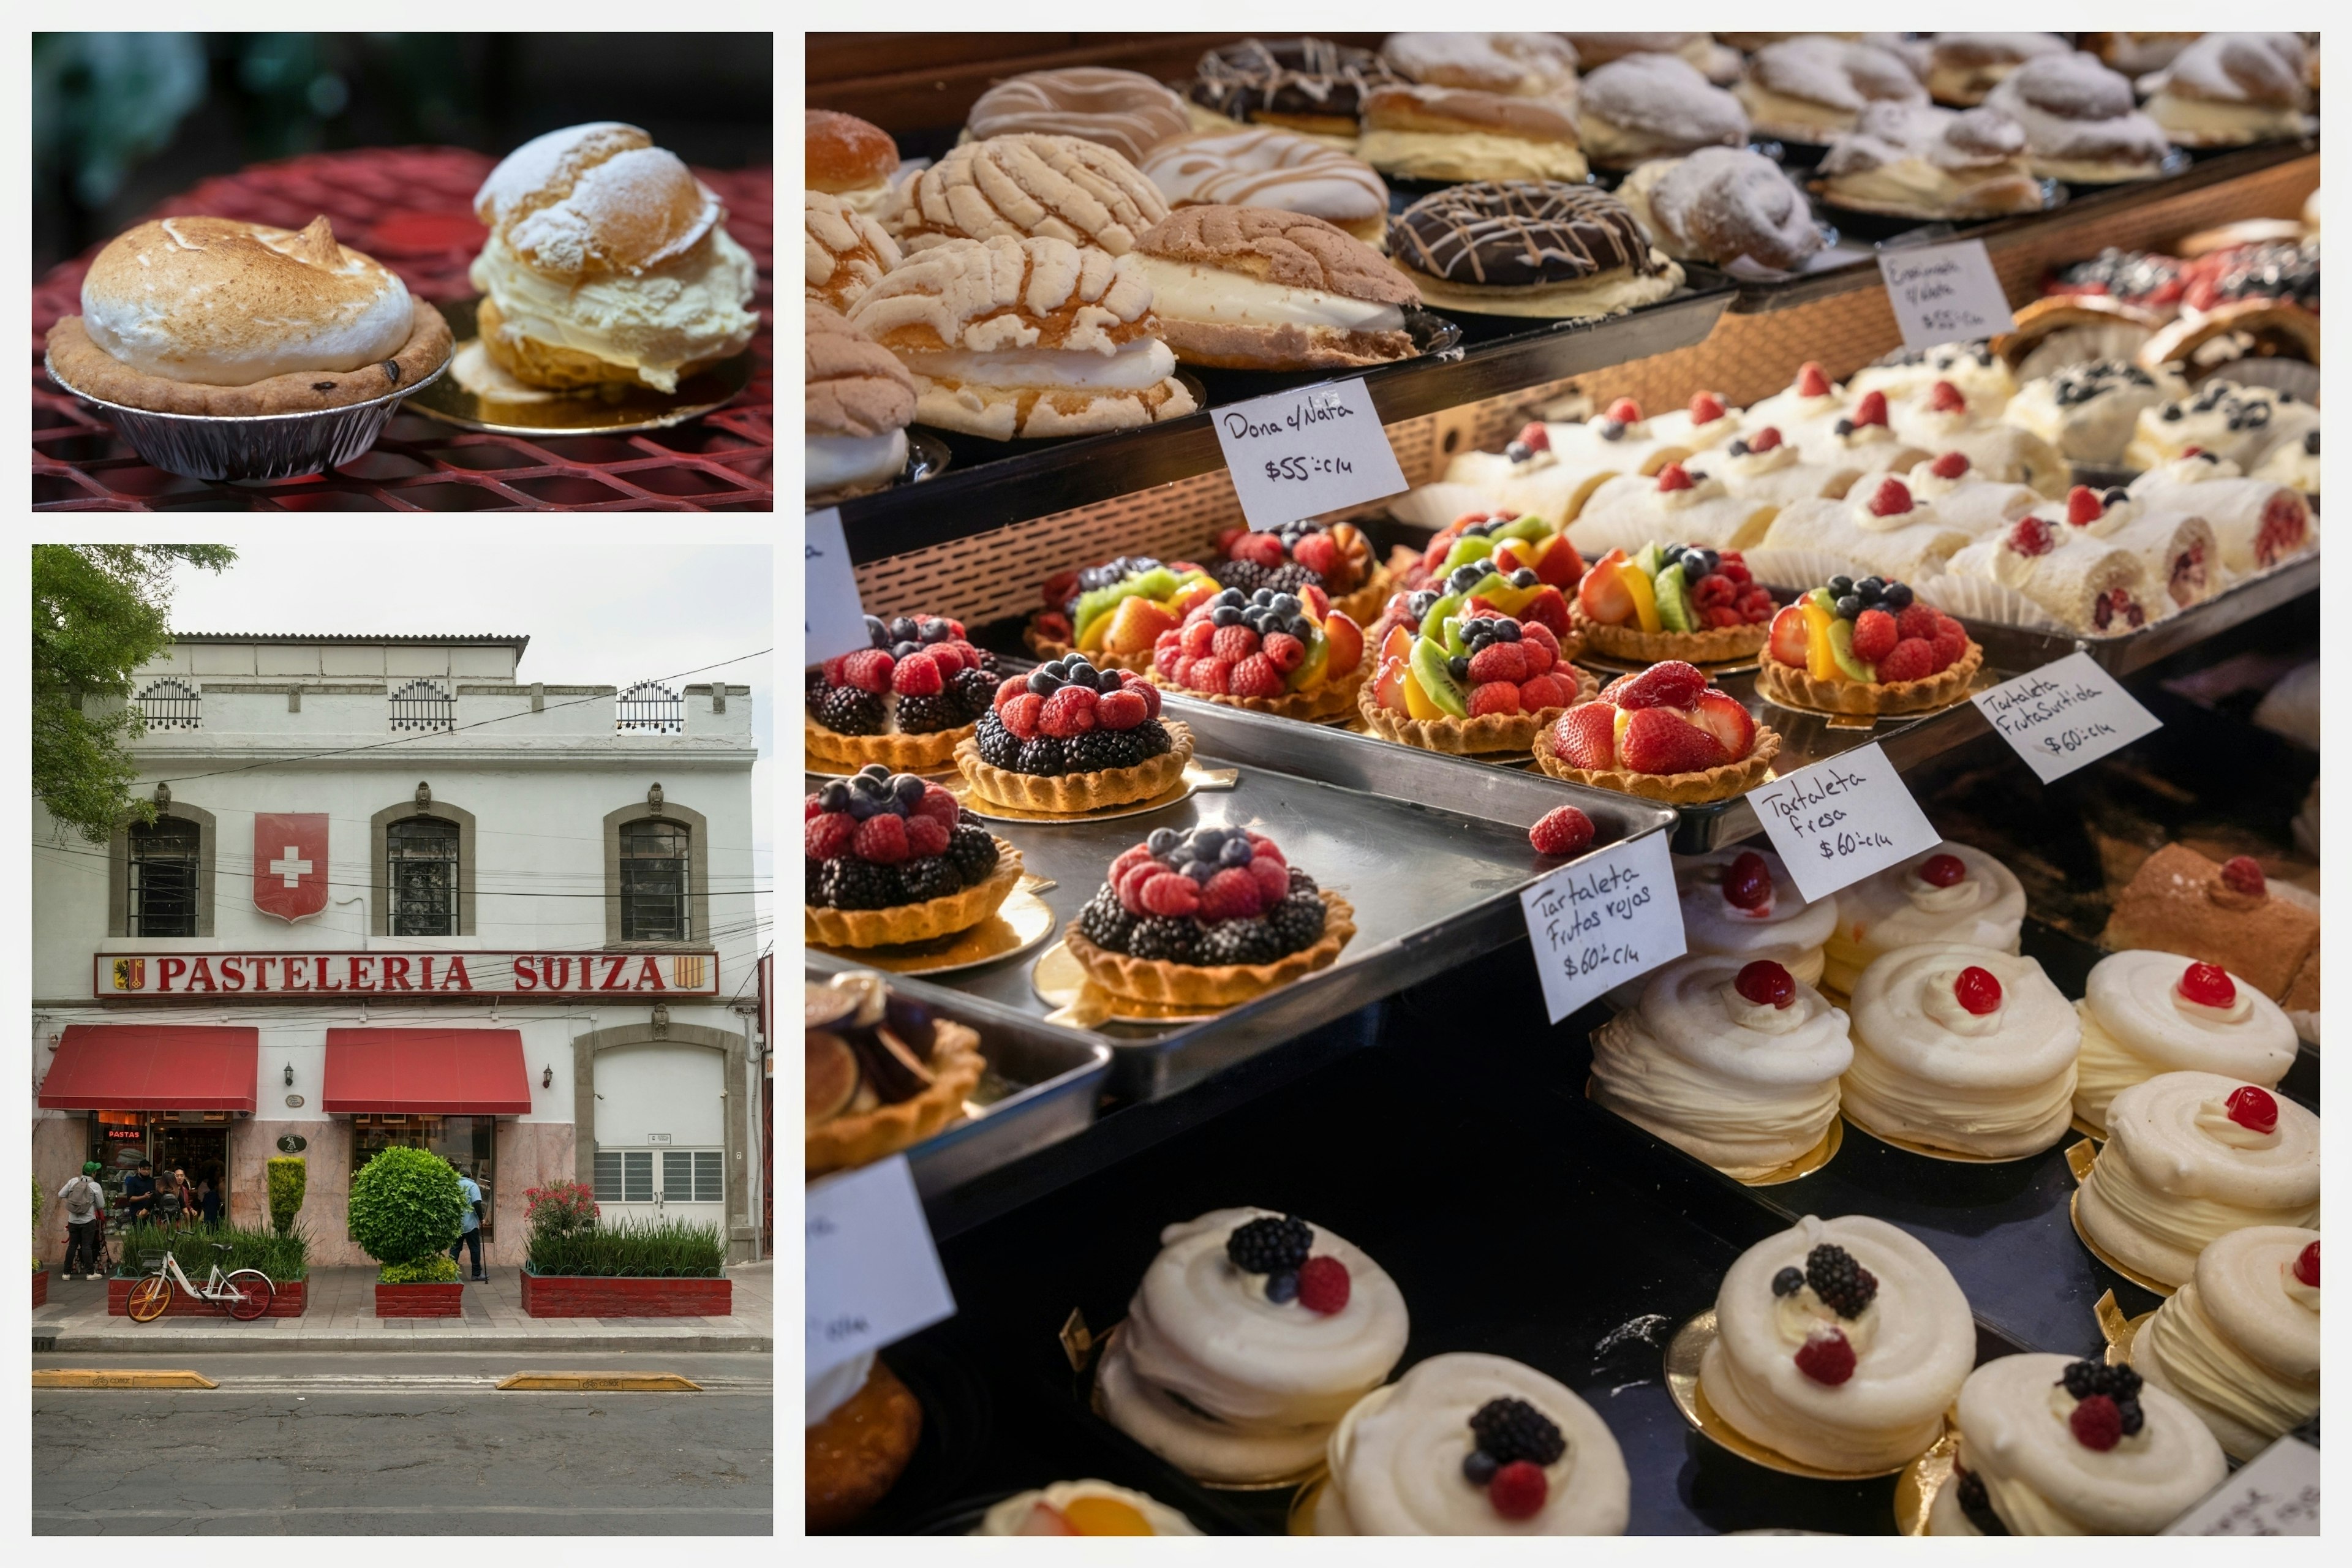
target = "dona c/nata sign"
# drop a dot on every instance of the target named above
(411, 976)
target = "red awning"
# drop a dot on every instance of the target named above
(152, 1067)
(427, 1072)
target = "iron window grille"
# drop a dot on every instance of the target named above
(421, 705)
(169, 704)
(649, 707)
(654, 881)
(164, 856)
(421, 869)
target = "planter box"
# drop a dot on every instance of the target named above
(40, 1287)
(285, 1302)
(572, 1296)
(421, 1300)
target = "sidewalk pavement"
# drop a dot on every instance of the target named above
(339, 1314)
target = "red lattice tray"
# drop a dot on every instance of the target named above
(411, 209)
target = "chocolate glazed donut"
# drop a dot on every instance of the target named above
(1296, 79)
(1506, 234)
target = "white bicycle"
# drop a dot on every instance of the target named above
(244, 1293)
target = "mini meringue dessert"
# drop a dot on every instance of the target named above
(1474, 1444)
(2150, 1013)
(1734, 1063)
(1082, 1508)
(1839, 1342)
(2050, 1446)
(608, 264)
(1742, 903)
(1955, 892)
(2190, 1157)
(2239, 1343)
(1251, 1335)
(1963, 1049)
(1255, 289)
(858, 402)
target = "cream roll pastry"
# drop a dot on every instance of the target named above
(2088, 410)
(1863, 436)
(1474, 1444)
(1734, 1062)
(1250, 1336)
(2181, 561)
(2085, 584)
(2048, 1446)
(2148, 1012)
(1555, 480)
(2242, 424)
(2190, 1157)
(1878, 527)
(2295, 464)
(1761, 467)
(1955, 892)
(2256, 523)
(1962, 1049)
(1942, 420)
(1839, 1342)
(1680, 503)
(1027, 184)
(1809, 400)
(1256, 288)
(2239, 1343)
(1258, 166)
(1982, 376)
(1966, 498)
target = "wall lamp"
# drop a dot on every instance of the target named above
(289, 1075)
(547, 1078)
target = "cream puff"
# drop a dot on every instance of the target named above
(1648, 106)
(1964, 66)
(1808, 89)
(859, 401)
(1255, 289)
(2227, 90)
(849, 158)
(1723, 204)
(2081, 123)
(1428, 132)
(1908, 160)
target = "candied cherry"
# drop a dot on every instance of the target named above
(2306, 1266)
(2207, 985)
(1978, 989)
(2252, 1109)
(1747, 881)
(2244, 874)
(1765, 980)
(1943, 870)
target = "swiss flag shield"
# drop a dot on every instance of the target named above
(289, 863)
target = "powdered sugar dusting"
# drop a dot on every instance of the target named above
(562, 237)
(536, 165)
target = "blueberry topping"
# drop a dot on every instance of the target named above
(1162, 841)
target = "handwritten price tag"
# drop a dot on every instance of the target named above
(872, 1276)
(1838, 821)
(2275, 1493)
(1945, 293)
(1603, 921)
(1315, 449)
(833, 620)
(2068, 713)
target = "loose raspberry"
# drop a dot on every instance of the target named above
(1917, 620)
(926, 835)
(2032, 536)
(1498, 662)
(1323, 1285)
(1747, 881)
(2207, 985)
(1945, 398)
(1007, 690)
(1871, 410)
(1943, 870)
(939, 804)
(1875, 635)
(881, 839)
(1234, 642)
(1810, 381)
(1625, 411)
(1287, 651)
(1255, 676)
(1318, 553)
(2096, 1422)
(2244, 874)
(1519, 1489)
(1021, 715)
(2083, 506)
(1495, 697)
(1170, 895)
(1951, 465)
(1673, 477)
(1563, 831)
(1892, 498)
(1232, 894)
(1069, 712)
(1977, 991)
(1764, 982)
(1705, 408)
(1273, 879)
(2252, 1109)
(828, 834)
(2306, 1265)
(1144, 690)
(1537, 693)
(868, 670)
(1764, 440)
(1913, 658)
(1121, 709)
(1670, 684)
(1263, 548)
(1826, 1357)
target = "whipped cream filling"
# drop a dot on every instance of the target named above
(657, 323)
(1763, 1017)
(853, 459)
(1703, 488)
(1190, 292)
(2234, 122)
(1800, 1314)
(1752, 464)
(1469, 155)
(1137, 366)
(1919, 187)
(1862, 436)
(2213, 1119)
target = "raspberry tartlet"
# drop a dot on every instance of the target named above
(891, 857)
(1209, 918)
(1671, 601)
(1068, 737)
(1467, 682)
(1291, 655)
(1867, 647)
(1114, 613)
(1335, 557)
(1664, 734)
(903, 701)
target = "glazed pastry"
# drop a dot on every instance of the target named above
(2256, 523)
(1249, 1337)
(883, 1073)
(1082, 1508)
(1178, 923)
(2081, 123)
(1961, 1048)
(2137, 54)
(1270, 651)
(1027, 186)
(1839, 1342)
(1529, 247)
(2179, 901)
(2148, 1013)
(1808, 89)
(1861, 438)
(1023, 338)
(2227, 90)
(1942, 420)
(1965, 67)
(1982, 376)
(847, 252)
(1255, 289)
(1878, 527)
(1308, 85)
(862, 1426)
(1124, 110)
(1677, 740)
(1721, 204)
(1671, 601)
(2085, 584)
(1428, 132)
(1113, 613)
(2088, 410)
(1735, 1063)
(1684, 503)
(1917, 161)
(2190, 1157)
(2238, 1342)
(1522, 65)
(1070, 738)
(1741, 904)
(2242, 424)
(1646, 106)
(905, 700)
(1262, 167)
(1866, 648)
(2179, 559)
(1956, 893)
(893, 858)
(2054, 1446)
(1474, 1444)
(859, 400)
(850, 158)
(2295, 464)
(1467, 678)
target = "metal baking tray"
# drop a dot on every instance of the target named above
(1041, 1085)
(1431, 850)
(2018, 648)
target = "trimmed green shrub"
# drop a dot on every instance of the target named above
(285, 1258)
(406, 1205)
(290, 1180)
(672, 1249)
(438, 1269)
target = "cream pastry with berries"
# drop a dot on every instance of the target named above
(2295, 464)
(1954, 893)
(1474, 1444)
(905, 700)
(1082, 1508)
(1068, 737)
(2085, 584)
(1879, 527)
(1115, 612)
(1466, 681)
(1966, 499)
(2054, 1446)
(2242, 423)
(1682, 501)
(2257, 523)
(2179, 556)
(1867, 647)
(1941, 419)
(1663, 735)
(1862, 436)
(892, 857)
(1736, 1064)
(1291, 655)
(1810, 401)
(1703, 423)
(2190, 1157)
(1742, 903)
(1761, 467)
(2149, 1013)
(2239, 1343)
(1671, 601)
(1982, 376)
(1335, 557)
(1962, 1049)
(1251, 1334)
(2088, 410)
(1553, 467)
(1839, 1342)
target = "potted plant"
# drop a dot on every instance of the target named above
(289, 1178)
(405, 1208)
(285, 1258)
(577, 1268)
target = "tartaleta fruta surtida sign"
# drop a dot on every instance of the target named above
(151, 975)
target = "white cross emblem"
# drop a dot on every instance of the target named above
(293, 867)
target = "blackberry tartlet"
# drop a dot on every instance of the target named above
(1068, 737)
(904, 701)
(893, 858)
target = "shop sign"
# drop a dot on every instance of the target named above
(418, 976)
(292, 1143)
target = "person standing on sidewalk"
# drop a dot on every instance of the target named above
(469, 1234)
(85, 1203)
(138, 1194)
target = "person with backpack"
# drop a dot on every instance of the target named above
(85, 1203)
(469, 1234)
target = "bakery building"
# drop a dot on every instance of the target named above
(394, 894)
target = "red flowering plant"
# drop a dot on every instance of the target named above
(559, 1209)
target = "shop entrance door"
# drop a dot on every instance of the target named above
(661, 1135)
(650, 1185)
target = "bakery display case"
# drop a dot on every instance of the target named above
(1389, 1228)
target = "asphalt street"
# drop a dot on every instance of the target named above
(405, 1444)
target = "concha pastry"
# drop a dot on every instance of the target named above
(1125, 110)
(847, 251)
(1023, 185)
(1839, 1342)
(2239, 1343)
(2149, 1013)
(859, 400)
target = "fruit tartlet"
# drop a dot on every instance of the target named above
(1068, 737)
(1464, 681)
(1291, 655)
(1209, 918)
(891, 857)
(1671, 601)
(1867, 647)
(904, 702)
(1335, 557)
(1507, 542)
(1664, 734)
(1115, 612)
(883, 1073)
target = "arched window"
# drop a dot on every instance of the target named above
(421, 875)
(654, 880)
(169, 704)
(649, 707)
(164, 856)
(421, 705)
